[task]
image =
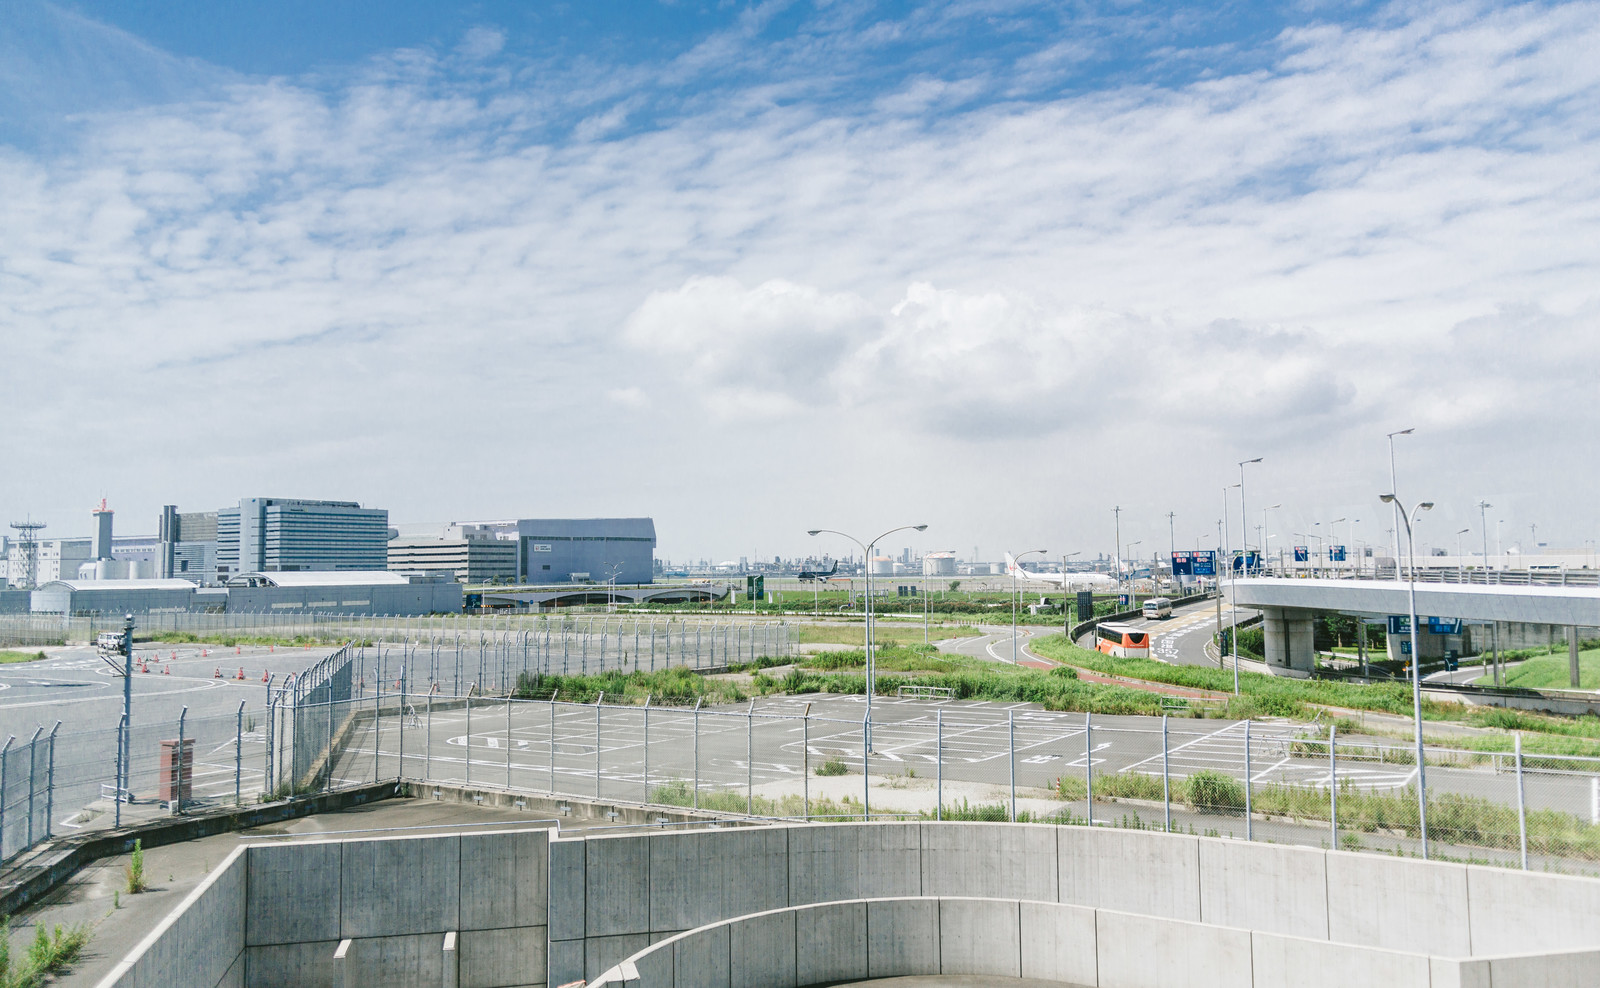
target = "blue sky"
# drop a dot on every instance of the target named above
(815, 263)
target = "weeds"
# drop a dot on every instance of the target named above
(833, 766)
(136, 878)
(49, 953)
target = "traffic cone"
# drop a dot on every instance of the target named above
(174, 656)
(273, 649)
(217, 674)
(235, 650)
(241, 672)
(264, 677)
(167, 671)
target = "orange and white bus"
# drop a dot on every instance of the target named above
(1123, 640)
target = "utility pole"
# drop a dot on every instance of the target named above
(1116, 548)
(1172, 544)
(1483, 519)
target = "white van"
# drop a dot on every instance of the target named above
(1157, 608)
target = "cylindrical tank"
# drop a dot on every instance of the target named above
(881, 566)
(102, 569)
(137, 569)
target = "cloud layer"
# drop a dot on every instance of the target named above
(451, 279)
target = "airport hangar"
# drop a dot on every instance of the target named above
(291, 592)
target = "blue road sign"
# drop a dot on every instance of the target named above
(1399, 624)
(1302, 553)
(1405, 647)
(1182, 563)
(1336, 553)
(1444, 626)
(1205, 562)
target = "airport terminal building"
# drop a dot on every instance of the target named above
(535, 551)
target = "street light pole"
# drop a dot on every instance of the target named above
(1016, 570)
(1483, 519)
(1233, 605)
(867, 636)
(1394, 488)
(1461, 568)
(1172, 539)
(1116, 547)
(1066, 621)
(1265, 535)
(1416, 659)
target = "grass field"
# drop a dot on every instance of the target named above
(1551, 672)
(7, 657)
(887, 634)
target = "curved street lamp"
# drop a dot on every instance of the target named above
(866, 550)
(1409, 518)
(1016, 568)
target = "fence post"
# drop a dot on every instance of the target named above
(866, 743)
(427, 745)
(646, 746)
(805, 762)
(1333, 790)
(116, 795)
(377, 722)
(1166, 777)
(1088, 765)
(328, 780)
(553, 696)
(4, 751)
(239, 755)
(467, 741)
(33, 755)
(178, 799)
(938, 763)
(1522, 806)
(1011, 734)
(697, 702)
(1249, 826)
(508, 742)
(750, 758)
(597, 703)
(400, 769)
(50, 783)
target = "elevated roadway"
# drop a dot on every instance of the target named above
(1289, 607)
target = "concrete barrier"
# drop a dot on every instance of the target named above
(789, 906)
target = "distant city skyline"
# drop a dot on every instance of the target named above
(754, 269)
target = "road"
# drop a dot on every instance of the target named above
(1179, 639)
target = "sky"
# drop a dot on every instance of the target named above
(993, 266)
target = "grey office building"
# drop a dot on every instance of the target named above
(270, 535)
(574, 550)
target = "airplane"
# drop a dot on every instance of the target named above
(1068, 581)
(818, 576)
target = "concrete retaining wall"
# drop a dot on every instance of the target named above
(1007, 938)
(799, 905)
(201, 943)
(640, 890)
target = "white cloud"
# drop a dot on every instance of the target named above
(1390, 223)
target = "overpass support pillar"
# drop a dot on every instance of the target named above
(1290, 645)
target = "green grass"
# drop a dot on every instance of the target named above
(884, 633)
(679, 793)
(8, 657)
(1270, 695)
(1552, 672)
(1452, 818)
(675, 686)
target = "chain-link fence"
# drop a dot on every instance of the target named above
(367, 714)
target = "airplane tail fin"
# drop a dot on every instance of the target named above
(1011, 564)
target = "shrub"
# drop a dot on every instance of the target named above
(136, 878)
(1213, 792)
(833, 766)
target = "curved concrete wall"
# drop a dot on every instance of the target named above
(788, 906)
(638, 890)
(889, 938)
